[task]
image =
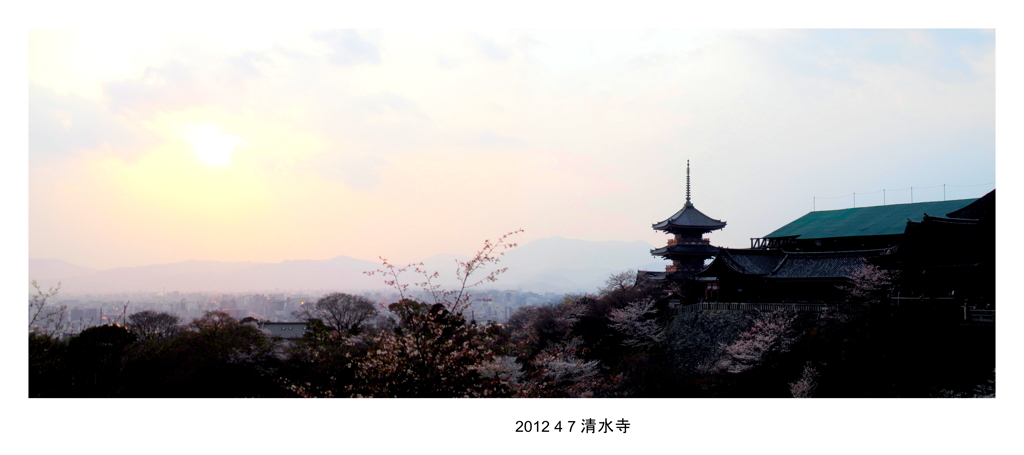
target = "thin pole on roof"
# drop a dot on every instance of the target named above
(943, 191)
(814, 204)
(883, 197)
(911, 195)
(687, 182)
(854, 200)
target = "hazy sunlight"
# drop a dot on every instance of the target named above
(213, 145)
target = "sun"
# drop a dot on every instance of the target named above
(213, 145)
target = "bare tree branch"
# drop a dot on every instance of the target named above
(43, 319)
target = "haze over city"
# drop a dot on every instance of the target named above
(155, 147)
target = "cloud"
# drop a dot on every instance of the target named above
(384, 123)
(191, 77)
(65, 124)
(389, 100)
(489, 139)
(653, 60)
(492, 50)
(172, 86)
(349, 47)
(837, 54)
(447, 62)
(248, 63)
(359, 173)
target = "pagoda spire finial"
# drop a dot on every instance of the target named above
(688, 182)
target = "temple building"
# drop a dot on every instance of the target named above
(687, 249)
(763, 275)
(945, 257)
(941, 250)
(859, 228)
(950, 256)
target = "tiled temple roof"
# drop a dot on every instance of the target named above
(824, 265)
(751, 262)
(689, 218)
(864, 221)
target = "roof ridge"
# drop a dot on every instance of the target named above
(733, 262)
(893, 205)
(785, 257)
(840, 251)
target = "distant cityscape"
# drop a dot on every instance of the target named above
(87, 311)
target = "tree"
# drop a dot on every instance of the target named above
(213, 323)
(455, 300)
(771, 334)
(869, 284)
(46, 353)
(531, 329)
(98, 357)
(321, 363)
(150, 324)
(636, 322)
(47, 366)
(619, 282)
(230, 341)
(44, 319)
(805, 385)
(433, 353)
(344, 313)
(559, 372)
(622, 288)
(551, 353)
(215, 356)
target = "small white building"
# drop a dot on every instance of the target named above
(285, 330)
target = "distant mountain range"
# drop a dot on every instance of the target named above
(553, 264)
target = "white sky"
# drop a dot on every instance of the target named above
(406, 144)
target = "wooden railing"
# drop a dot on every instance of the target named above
(701, 241)
(971, 316)
(803, 307)
(769, 244)
(980, 316)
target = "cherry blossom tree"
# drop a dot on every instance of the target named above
(636, 322)
(770, 334)
(869, 284)
(804, 386)
(559, 371)
(433, 353)
(457, 299)
(619, 282)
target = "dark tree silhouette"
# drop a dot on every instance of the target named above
(344, 313)
(150, 324)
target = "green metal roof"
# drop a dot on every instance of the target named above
(864, 221)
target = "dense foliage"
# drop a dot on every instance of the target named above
(623, 341)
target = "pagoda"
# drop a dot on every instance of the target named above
(688, 249)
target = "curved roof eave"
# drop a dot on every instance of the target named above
(689, 218)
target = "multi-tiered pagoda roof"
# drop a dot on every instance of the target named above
(687, 249)
(688, 219)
